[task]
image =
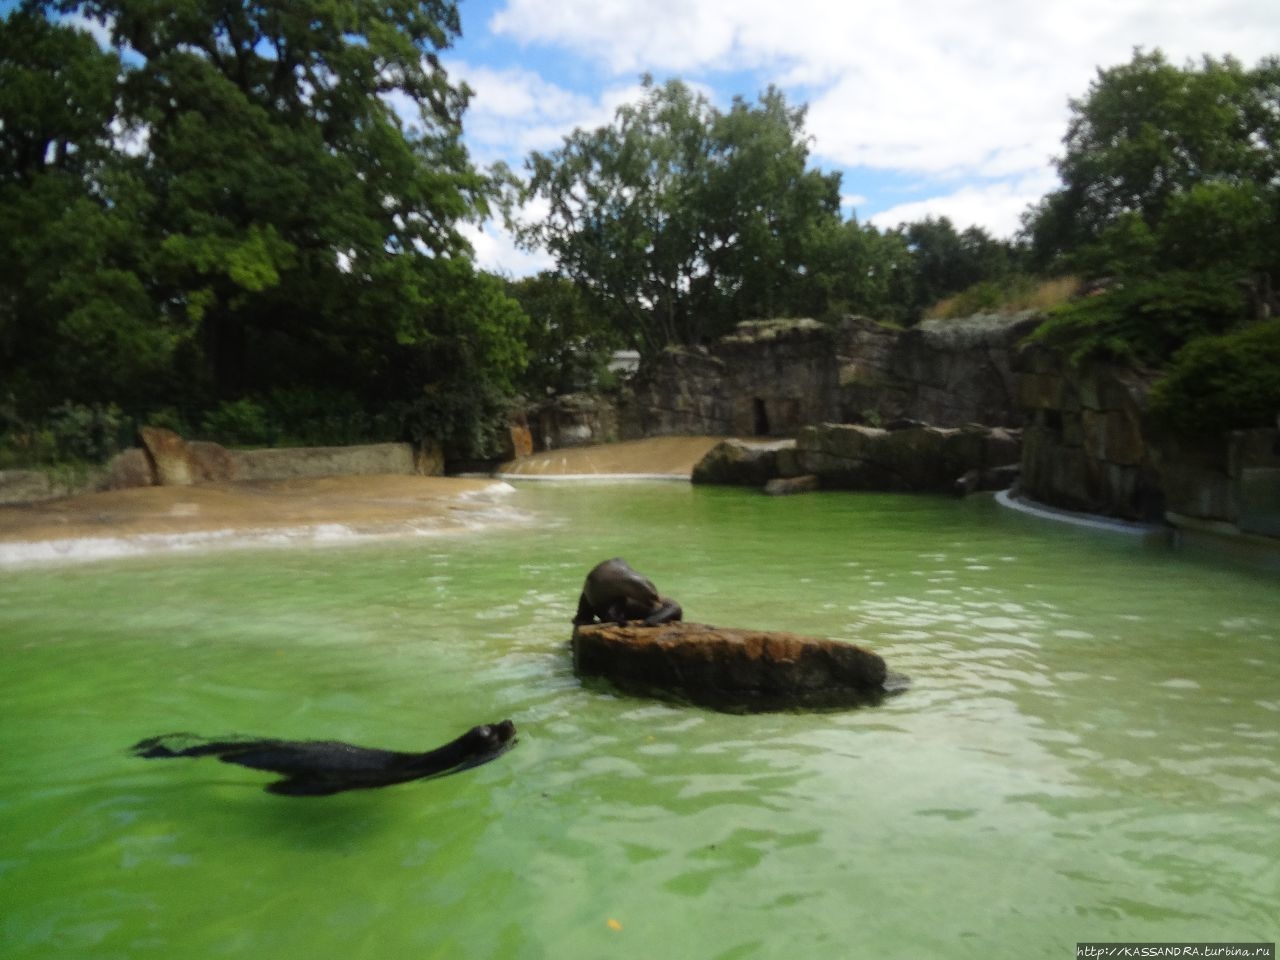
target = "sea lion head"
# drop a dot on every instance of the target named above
(493, 736)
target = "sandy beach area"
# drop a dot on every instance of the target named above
(149, 519)
(326, 509)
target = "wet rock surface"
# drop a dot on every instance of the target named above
(734, 670)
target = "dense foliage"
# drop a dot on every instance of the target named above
(235, 208)
(1171, 194)
(678, 220)
(243, 221)
(1231, 380)
(569, 345)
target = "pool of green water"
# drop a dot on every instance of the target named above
(1090, 749)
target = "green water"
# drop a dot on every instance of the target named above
(1090, 750)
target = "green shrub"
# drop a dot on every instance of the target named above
(240, 422)
(1223, 383)
(86, 433)
(1145, 319)
(316, 417)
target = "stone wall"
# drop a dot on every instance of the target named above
(770, 378)
(1090, 446)
(573, 420)
(767, 379)
(164, 459)
(1083, 445)
(1232, 480)
(943, 372)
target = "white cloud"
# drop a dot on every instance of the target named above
(967, 98)
(515, 111)
(996, 207)
(100, 31)
(497, 252)
(933, 86)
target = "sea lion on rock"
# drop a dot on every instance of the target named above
(317, 768)
(614, 593)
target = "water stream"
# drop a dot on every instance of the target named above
(1090, 749)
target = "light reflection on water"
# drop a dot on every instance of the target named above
(1089, 750)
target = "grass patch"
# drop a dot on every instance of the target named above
(1014, 295)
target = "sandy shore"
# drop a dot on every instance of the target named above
(328, 509)
(148, 519)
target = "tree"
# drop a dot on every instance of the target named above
(854, 268)
(568, 345)
(75, 318)
(678, 220)
(946, 262)
(1147, 132)
(1171, 189)
(287, 226)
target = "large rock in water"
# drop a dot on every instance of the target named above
(732, 670)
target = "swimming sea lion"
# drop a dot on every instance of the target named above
(316, 768)
(614, 593)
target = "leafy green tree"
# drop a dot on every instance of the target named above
(678, 220)
(946, 261)
(854, 268)
(265, 214)
(76, 323)
(1147, 132)
(567, 344)
(1171, 190)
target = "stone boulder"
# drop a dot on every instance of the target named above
(128, 469)
(924, 459)
(731, 670)
(211, 462)
(744, 463)
(169, 456)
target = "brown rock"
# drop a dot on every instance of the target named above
(728, 669)
(130, 468)
(169, 456)
(211, 462)
(521, 441)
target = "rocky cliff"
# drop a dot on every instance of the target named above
(943, 372)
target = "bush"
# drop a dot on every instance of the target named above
(1146, 319)
(86, 433)
(1223, 383)
(240, 422)
(310, 416)
(70, 433)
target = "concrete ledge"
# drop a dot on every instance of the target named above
(287, 463)
(1110, 524)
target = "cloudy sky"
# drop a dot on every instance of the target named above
(926, 107)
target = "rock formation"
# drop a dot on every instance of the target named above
(766, 379)
(731, 670)
(923, 459)
(944, 372)
(746, 462)
(915, 458)
(169, 456)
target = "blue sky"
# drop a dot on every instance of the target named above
(925, 107)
